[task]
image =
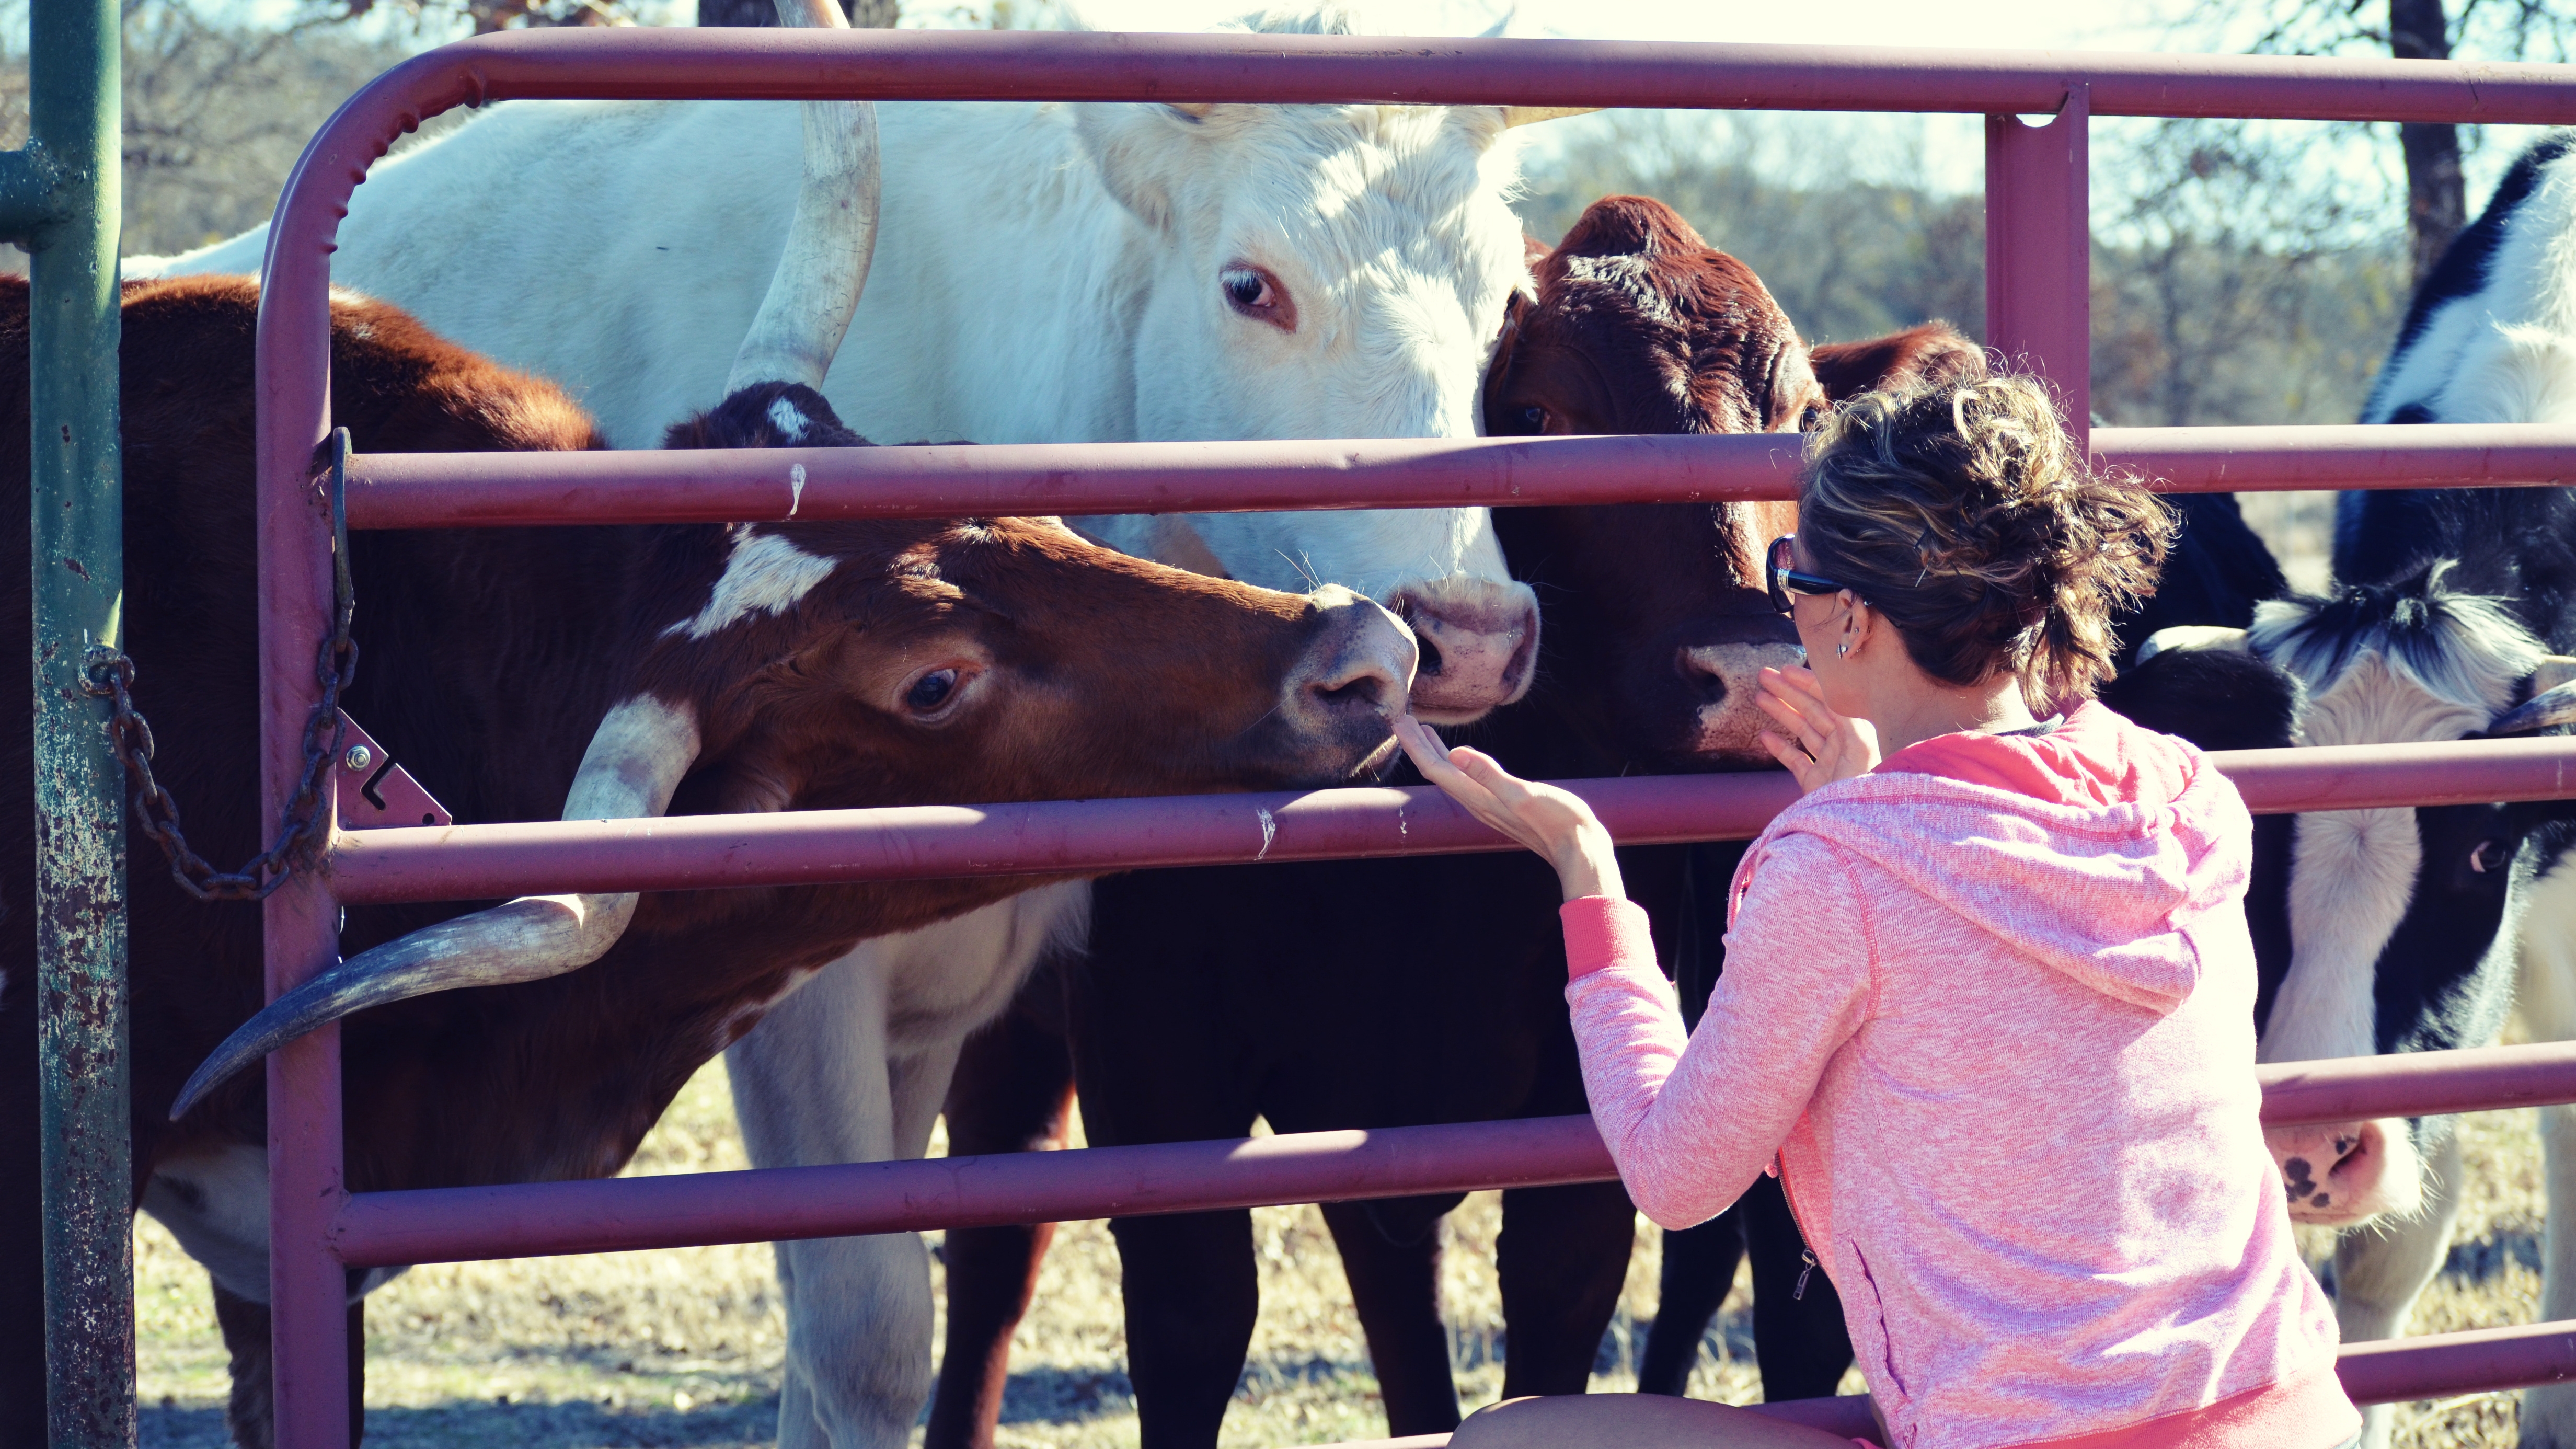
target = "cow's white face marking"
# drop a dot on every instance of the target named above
(790, 423)
(765, 575)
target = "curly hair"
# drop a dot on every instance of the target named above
(1965, 515)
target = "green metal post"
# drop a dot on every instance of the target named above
(62, 198)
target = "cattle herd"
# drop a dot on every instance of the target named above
(1101, 272)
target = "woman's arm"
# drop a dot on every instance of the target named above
(1692, 1121)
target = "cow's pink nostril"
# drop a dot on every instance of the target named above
(2333, 1172)
(1479, 643)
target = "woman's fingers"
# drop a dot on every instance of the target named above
(1796, 761)
(1442, 767)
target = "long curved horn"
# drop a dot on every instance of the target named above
(2546, 710)
(2189, 638)
(1532, 115)
(635, 760)
(2554, 670)
(829, 244)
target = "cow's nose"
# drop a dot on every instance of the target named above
(2331, 1173)
(1479, 642)
(1358, 671)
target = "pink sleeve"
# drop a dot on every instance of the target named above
(1691, 1121)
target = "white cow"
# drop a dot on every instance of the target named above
(1043, 273)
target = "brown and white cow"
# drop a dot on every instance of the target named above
(523, 674)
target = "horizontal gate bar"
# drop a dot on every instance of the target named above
(678, 64)
(1079, 837)
(2437, 1365)
(2477, 1361)
(452, 490)
(440, 1225)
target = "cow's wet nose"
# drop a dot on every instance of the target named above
(1352, 684)
(1479, 642)
(2332, 1173)
(1725, 682)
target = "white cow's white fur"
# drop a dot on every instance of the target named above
(876, 1035)
(1043, 273)
(215, 1202)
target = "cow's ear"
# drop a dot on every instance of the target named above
(1515, 310)
(1144, 152)
(2219, 699)
(1931, 353)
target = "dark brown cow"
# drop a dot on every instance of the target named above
(1359, 994)
(626, 670)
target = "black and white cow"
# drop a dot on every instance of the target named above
(2406, 929)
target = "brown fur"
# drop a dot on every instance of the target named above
(488, 656)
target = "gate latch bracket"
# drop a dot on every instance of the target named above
(374, 792)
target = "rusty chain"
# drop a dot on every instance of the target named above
(110, 675)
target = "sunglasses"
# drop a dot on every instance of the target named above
(1785, 580)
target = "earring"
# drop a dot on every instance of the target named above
(1840, 650)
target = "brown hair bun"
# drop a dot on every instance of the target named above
(1964, 514)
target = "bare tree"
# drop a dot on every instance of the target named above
(2436, 203)
(866, 14)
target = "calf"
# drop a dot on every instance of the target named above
(1430, 989)
(590, 672)
(2397, 929)
(2448, 600)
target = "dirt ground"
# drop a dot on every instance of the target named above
(683, 1348)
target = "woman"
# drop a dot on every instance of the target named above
(1988, 1001)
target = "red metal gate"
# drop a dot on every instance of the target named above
(2037, 312)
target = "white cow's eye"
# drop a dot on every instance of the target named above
(1257, 294)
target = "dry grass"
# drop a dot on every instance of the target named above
(684, 1347)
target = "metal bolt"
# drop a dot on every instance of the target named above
(358, 758)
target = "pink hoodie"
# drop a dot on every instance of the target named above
(1992, 1008)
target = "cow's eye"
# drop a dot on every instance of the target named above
(1534, 419)
(1257, 294)
(2486, 855)
(931, 691)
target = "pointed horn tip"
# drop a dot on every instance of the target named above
(1532, 115)
(2548, 709)
(213, 1072)
(1195, 110)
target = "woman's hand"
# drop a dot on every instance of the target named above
(1553, 822)
(1818, 745)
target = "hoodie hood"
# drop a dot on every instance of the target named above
(2092, 849)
